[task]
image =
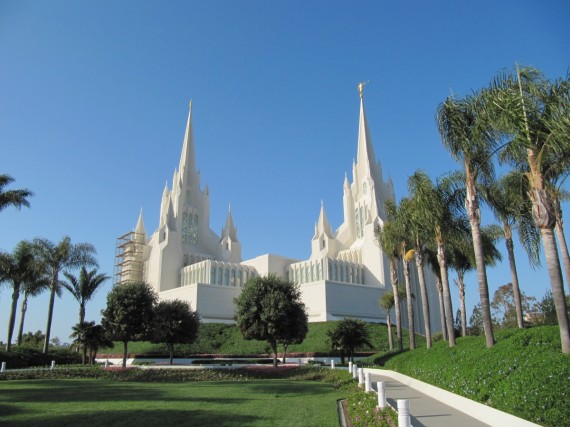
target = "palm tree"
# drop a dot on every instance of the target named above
(439, 205)
(79, 333)
(95, 338)
(400, 215)
(83, 287)
(532, 113)
(418, 238)
(16, 198)
(471, 141)
(462, 260)
(18, 268)
(509, 201)
(387, 302)
(57, 258)
(31, 289)
(431, 258)
(388, 237)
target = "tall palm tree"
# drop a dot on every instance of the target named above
(83, 287)
(470, 140)
(418, 237)
(433, 263)
(31, 288)
(509, 201)
(57, 258)
(401, 217)
(17, 268)
(387, 302)
(531, 112)
(462, 260)
(388, 237)
(16, 198)
(440, 205)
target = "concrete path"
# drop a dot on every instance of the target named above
(425, 411)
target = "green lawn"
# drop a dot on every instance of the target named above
(210, 403)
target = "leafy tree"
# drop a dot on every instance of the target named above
(34, 339)
(476, 321)
(471, 141)
(545, 309)
(16, 198)
(129, 313)
(56, 258)
(349, 335)
(270, 309)
(503, 305)
(83, 287)
(531, 113)
(174, 323)
(295, 330)
(18, 268)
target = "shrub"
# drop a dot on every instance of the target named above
(24, 357)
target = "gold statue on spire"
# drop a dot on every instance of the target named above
(361, 88)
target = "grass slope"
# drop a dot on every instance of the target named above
(218, 338)
(524, 374)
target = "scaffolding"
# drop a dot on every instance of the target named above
(129, 261)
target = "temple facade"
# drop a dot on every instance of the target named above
(345, 275)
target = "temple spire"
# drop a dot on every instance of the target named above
(187, 158)
(230, 230)
(139, 229)
(365, 154)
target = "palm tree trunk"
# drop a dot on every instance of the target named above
(410, 306)
(22, 317)
(514, 278)
(555, 274)
(441, 309)
(12, 319)
(563, 249)
(125, 353)
(394, 280)
(424, 295)
(171, 352)
(472, 207)
(50, 317)
(81, 313)
(285, 352)
(447, 305)
(461, 286)
(390, 338)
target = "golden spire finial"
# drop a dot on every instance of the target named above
(361, 88)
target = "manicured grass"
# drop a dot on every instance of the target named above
(98, 402)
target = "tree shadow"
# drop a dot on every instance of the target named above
(194, 418)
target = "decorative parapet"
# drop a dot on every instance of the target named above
(335, 270)
(217, 273)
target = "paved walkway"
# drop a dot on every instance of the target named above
(425, 411)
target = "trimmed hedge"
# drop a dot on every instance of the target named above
(25, 357)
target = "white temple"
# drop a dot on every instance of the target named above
(345, 275)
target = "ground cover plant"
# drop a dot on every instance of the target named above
(524, 373)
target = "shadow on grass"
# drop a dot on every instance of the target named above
(292, 388)
(140, 418)
(90, 391)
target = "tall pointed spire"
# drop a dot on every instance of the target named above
(365, 154)
(229, 230)
(139, 229)
(187, 158)
(323, 225)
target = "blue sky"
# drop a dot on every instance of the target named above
(94, 98)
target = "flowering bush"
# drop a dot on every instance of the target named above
(364, 412)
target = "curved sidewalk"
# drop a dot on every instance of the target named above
(432, 406)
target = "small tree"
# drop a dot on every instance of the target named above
(504, 307)
(476, 321)
(129, 313)
(269, 309)
(295, 330)
(349, 335)
(174, 323)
